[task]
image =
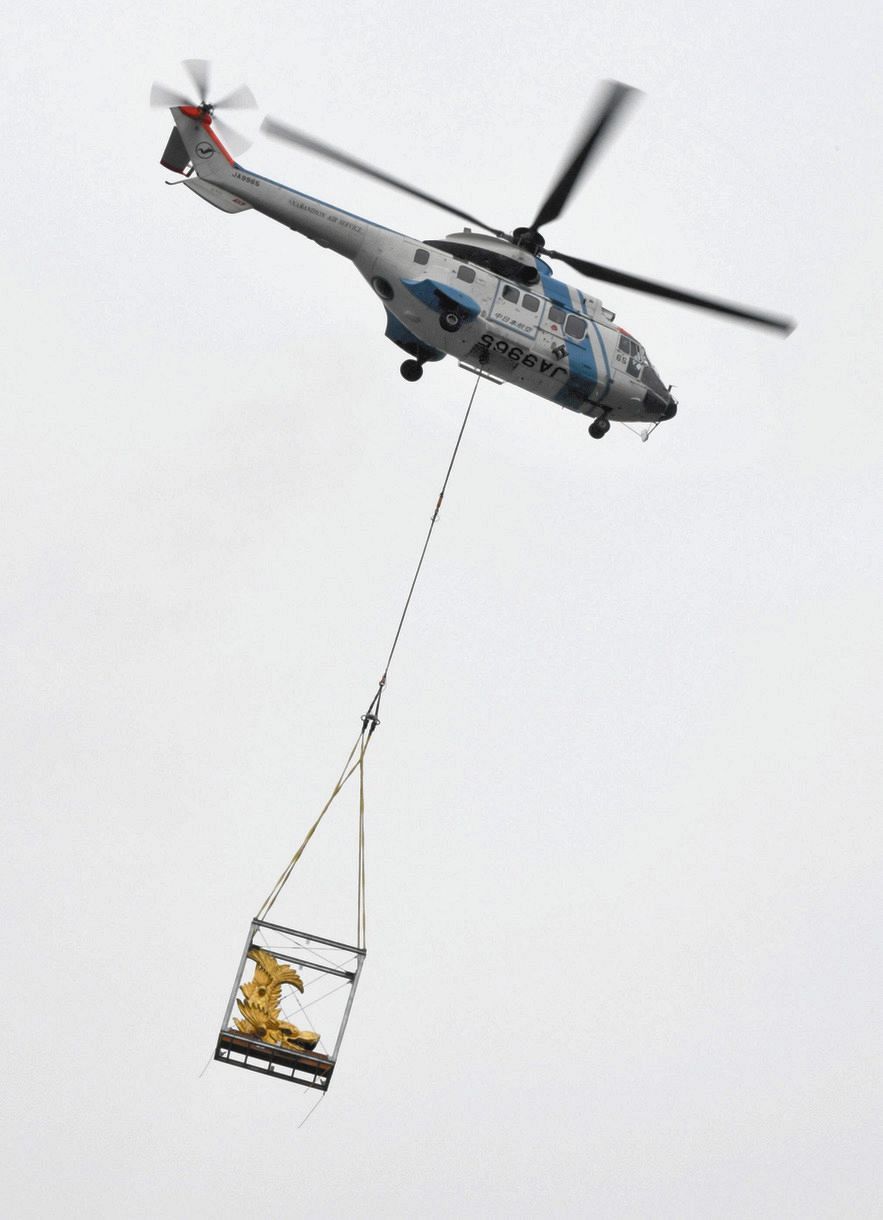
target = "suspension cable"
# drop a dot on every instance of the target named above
(370, 721)
(371, 714)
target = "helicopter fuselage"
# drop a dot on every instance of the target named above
(493, 306)
(449, 298)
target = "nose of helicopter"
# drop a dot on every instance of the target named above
(662, 404)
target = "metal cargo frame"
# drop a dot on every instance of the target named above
(312, 1069)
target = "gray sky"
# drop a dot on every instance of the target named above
(623, 926)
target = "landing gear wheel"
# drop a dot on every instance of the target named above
(411, 370)
(599, 428)
(450, 320)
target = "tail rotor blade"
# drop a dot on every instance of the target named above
(239, 99)
(235, 142)
(200, 72)
(160, 95)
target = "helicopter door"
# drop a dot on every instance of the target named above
(516, 310)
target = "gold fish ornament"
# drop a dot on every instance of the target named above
(260, 1007)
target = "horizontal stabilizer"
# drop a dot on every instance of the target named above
(216, 196)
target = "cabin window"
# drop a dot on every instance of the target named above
(531, 303)
(556, 316)
(421, 256)
(574, 327)
(466, 273)
(510, 293)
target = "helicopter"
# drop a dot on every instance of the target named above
(489, 298)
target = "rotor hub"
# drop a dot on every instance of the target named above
(530, 240)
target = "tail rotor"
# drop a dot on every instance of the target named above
(200, 73)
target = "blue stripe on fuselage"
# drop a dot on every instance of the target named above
(583, 371)
(603, 347)
(583, 376)
(556, 290)
(434, 294)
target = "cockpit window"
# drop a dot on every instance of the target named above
(574, 327)
(510, 293)
(631, 354)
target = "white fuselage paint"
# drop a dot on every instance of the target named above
(526, 348)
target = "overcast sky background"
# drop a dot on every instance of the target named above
(624, 856)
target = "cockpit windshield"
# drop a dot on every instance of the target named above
(639, 366)
(651, 378)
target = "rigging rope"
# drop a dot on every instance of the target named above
(370, 721)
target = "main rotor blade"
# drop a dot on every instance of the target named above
(612, 103)
(239, 99)
(200, 72)
(281, 131)
(669, 293)
(160, 95)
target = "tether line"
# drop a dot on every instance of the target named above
(441, 496)
(370, 721)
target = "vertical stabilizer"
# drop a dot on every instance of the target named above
(201, 145)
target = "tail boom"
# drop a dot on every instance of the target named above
(321, 222)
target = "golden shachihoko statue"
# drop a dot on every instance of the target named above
(261, 1017)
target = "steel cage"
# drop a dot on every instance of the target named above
(330, 974)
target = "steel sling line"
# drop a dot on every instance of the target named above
(370, 721)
